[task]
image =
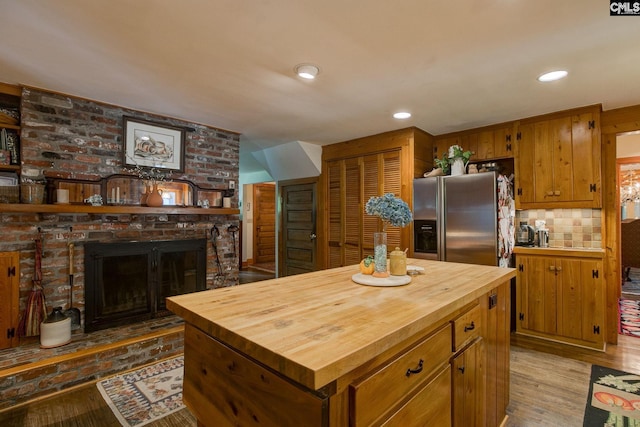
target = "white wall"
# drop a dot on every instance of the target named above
(628, 145)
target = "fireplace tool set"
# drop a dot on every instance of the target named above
(220, 277)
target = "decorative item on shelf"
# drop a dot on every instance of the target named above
(151, 178)
(458, 159)
(95, 200)
(32, 186)
(154, 199)
(391, 210)
(471, 169)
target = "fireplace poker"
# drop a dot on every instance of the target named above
(215, 233)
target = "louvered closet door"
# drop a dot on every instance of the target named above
(345, 212)
(392, 184)
(353, 211)
(334, 212)
(370, 187)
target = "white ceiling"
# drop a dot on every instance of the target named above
(229, 63)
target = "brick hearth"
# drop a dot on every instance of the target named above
(28, 371)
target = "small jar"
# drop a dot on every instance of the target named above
(398, 262)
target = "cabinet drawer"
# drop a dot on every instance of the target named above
(224, 388)
(430, 406)
(467, 327)
(376, 394)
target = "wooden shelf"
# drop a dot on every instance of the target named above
(109, 209)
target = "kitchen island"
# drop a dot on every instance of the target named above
(317, 349)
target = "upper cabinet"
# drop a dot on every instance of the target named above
(490, 143)
(9, 127)
(558, 160)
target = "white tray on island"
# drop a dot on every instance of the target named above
(369, 280)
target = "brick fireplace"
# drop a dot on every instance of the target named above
(86, 137)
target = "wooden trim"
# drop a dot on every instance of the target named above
(613, 122)
(166, 210)
(88, 351)
(595, 109)
(10, 89)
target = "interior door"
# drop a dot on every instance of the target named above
(264, 233)
(298, 244)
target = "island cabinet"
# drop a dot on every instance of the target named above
(560, 295)
(317, 349)
(558, 161)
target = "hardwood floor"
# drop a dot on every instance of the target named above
(549, 386)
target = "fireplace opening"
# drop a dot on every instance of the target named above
(127, 282)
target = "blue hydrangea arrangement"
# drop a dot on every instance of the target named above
(390, 209)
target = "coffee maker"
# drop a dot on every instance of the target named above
(525, 235)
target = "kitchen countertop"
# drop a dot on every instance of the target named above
(316, 327)
(561, 251)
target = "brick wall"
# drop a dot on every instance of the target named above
(88, 137)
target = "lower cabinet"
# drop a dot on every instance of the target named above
(455, 374)
(469, 379)
(9, 296)
(561, 298)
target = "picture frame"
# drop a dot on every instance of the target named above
(153, 145)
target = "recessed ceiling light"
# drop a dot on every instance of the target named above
(553, 75)
(307, 71)
(401, 115)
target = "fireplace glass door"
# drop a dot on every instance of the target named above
(129, 281)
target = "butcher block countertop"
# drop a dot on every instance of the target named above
(316, 327)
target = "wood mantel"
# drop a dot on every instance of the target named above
(114, 209)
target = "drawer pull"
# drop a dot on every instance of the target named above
(417, 370)
(470, 327)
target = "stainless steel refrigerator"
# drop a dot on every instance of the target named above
(456, 218)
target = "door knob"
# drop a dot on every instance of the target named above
(312, 236)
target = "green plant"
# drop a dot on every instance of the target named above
(457, 152)
(442, 163)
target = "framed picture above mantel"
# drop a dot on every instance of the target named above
(153, 145)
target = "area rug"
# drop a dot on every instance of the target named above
(147, 394)
(613, 400)
(629, 317)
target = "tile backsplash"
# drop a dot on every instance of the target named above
(568, 228)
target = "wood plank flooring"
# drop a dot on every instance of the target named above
(549, 385)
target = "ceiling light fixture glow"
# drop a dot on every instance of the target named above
(553, 75)
(401, 115)
(307, 71)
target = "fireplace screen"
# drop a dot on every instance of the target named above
(129, 281)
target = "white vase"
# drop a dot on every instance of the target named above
(458, 167)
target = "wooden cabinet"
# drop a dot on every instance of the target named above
(490, 143)
(9, 294)
(354, 171)
(469, 381)
(344, 366)
(558, 161)
(561, 298)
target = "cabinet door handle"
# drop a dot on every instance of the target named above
(470, 327)
(416, 370)
(552, 268)
(461, 369)
(556, 193)
(549, 193)
(558, 268)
